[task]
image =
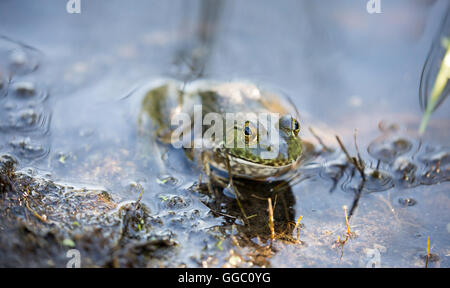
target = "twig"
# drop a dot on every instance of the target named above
(360, 166)
(42, 218)
(350, 159)
(258, 197)
(361, 162)
(319, 139)
(356, 198)
(140, 195)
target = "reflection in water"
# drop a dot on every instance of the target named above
(254, 231)
(24, 115)
(195, 54)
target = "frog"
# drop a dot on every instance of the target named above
(165, 99)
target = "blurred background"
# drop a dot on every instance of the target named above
(334, 59)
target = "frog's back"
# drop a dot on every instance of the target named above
(237, 96)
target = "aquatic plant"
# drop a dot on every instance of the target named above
(438, 92)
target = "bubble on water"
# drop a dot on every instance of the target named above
(27, 148)
(18, 58)
(385, 126)
(28, 117)
(437, 166)
(387, 149)
(405, 202)
(21, 59)
(25, 120)
(379, 181)
(375, 181)
(435, 155)
(406, 172)
(24, 88)
(404, 165)
(167, 180)
(175, 201)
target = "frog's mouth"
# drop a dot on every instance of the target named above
(242, 168)
(254, 159)
(275, 164)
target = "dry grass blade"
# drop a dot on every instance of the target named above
(297, 228)
(346, 221)
(298, 222)
(271, 224)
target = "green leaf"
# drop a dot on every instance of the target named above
(68, 242)
(439, 85)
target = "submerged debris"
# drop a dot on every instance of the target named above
(407, 202)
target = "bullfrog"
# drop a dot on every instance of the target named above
(252, 147)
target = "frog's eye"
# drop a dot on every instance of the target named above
(289, 125)
(295, 126)
(250, 132)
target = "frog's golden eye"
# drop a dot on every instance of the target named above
(250, 132)
(295, 126)
(289, 125)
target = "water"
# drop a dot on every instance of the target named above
(68, 117)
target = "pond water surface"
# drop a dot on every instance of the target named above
(68, 116)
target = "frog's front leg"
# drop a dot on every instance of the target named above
(151, 152)
(205, 160)
(234, 189)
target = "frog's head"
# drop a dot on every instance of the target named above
(255, 153)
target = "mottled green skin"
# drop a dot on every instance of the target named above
(161, 101)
